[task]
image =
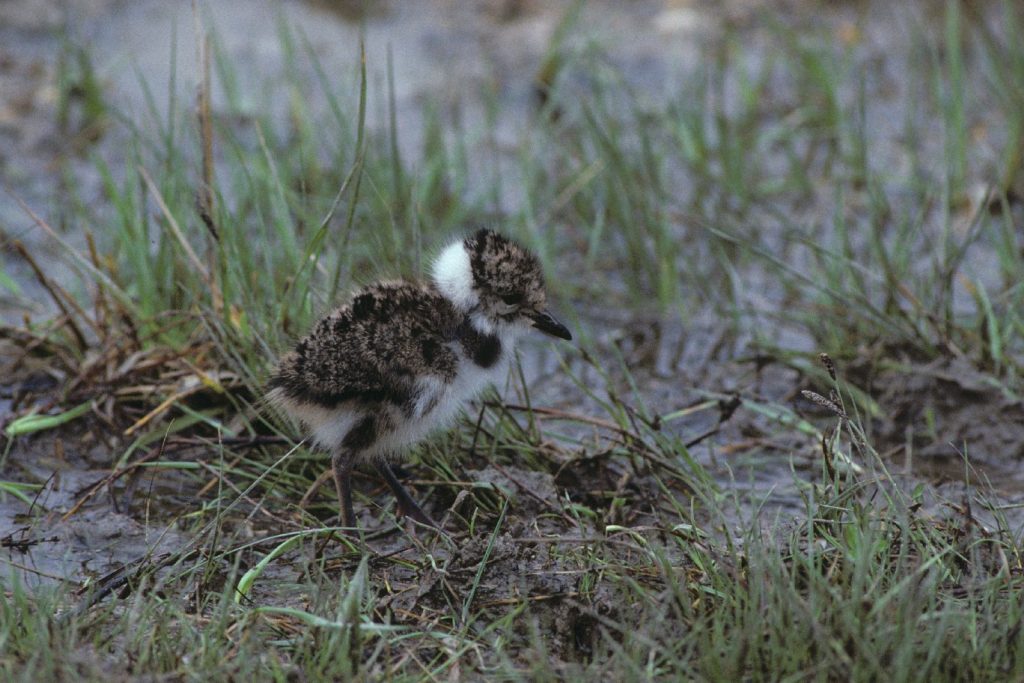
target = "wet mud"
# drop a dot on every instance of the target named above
(533, 533)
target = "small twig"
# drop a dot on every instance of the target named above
(307, 497)
(175, 229)
(52, 289)
(528, 491)
(206, 198)
(256, 504)
(556, 414)
(529, 598)
(90, 491)
(38, 572)
(119, 577)
(102, 311)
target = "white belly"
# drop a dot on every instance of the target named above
(438, 403)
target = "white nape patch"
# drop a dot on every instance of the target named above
(454, 276)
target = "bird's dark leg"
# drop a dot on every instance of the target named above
(358, 439)
(407, 507)
(341, 463)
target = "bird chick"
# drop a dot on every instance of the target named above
(399, 361)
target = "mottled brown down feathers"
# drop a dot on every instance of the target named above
(373, 348)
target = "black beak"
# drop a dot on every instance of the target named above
(546, 323)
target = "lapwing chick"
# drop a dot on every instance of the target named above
(399, 361)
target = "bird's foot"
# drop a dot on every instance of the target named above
(406, 506)
(409, 508)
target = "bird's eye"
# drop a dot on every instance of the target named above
(512, 299)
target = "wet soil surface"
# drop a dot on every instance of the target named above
(581, 465)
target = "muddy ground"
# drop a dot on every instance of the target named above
(542, 547)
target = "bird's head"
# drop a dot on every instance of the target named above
(498, 283)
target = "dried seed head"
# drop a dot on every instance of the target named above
(824, 402)
(829, 364)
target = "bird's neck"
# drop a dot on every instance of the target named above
(484, 347)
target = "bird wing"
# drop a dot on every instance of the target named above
(374, 347)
